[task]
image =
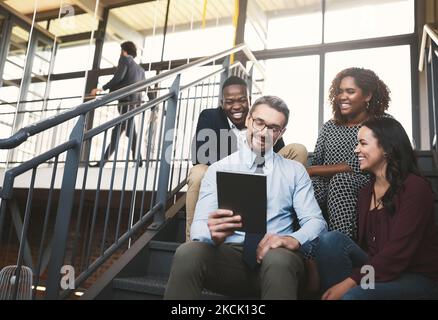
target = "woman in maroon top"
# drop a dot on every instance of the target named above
(397, 252)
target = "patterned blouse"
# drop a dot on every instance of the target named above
(336, 144)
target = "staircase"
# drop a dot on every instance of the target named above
(121, 216)
(142, 270)
(428, 165)
(147, 274)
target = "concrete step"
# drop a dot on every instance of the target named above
(150, 287)
(426, 160)
(160, 258)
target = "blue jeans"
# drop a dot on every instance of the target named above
(337, 255)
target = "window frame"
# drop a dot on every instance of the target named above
(322, 49)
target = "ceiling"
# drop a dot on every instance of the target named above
(138, 19)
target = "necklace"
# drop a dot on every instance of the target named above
(376, 203)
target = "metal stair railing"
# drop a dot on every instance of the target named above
(37, 109)
(429, 58)
(73, 235)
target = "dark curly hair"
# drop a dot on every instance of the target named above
(130, 48)
(399, 153)
(368, 82)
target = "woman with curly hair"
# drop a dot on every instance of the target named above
(396, 256)
(356, 95)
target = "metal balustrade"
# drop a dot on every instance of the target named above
(429, 59)
(70, 225)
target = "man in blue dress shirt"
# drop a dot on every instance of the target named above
(213, 259)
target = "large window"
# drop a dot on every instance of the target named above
(361, 19)
(15, 60)
(295, 80)
(303, 28)
(320, 38)
(189, 32)
(391, 64)
(197, 43)
(74, 58)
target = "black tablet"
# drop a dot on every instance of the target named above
(245, 195)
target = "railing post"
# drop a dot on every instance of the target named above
(63, 214)
(434, 88)
(428, 70)
(166, 153)
(225, 74)
(250, 80)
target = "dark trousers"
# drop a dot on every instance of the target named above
(123, 107)
(198, 265)
(337, 255)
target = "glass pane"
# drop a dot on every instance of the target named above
(255, 37)
(198, 43)
(44, 50)
(17, 51)
(83, 58)
(12, 70)
(110, 54)
(187, 37)
(36, 92)
(7, 111)
(14, 64)
(293, 23)
(41, 60)
(141, 23)
(73, 24)
(362, 19)
(296, 81)
(391, 64)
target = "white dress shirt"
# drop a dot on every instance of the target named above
(288, 188)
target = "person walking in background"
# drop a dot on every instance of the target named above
(127, 73)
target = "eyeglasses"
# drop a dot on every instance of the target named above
(260, 125)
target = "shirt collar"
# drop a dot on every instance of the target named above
(231, 124)
(248, 157)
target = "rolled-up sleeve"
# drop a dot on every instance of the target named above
(207, 203)
(307, 210)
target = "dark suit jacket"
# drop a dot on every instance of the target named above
(127, 72)
(216, 120)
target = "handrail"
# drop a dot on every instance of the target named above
(43, 100)
(65, 98)
(166, 125)
(252, 58)
(148, 105)
(428, 30)
(24, 133)
(239, 64)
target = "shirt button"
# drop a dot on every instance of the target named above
(374, 239)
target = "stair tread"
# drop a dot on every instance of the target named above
(152, 284)
(164, 245)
